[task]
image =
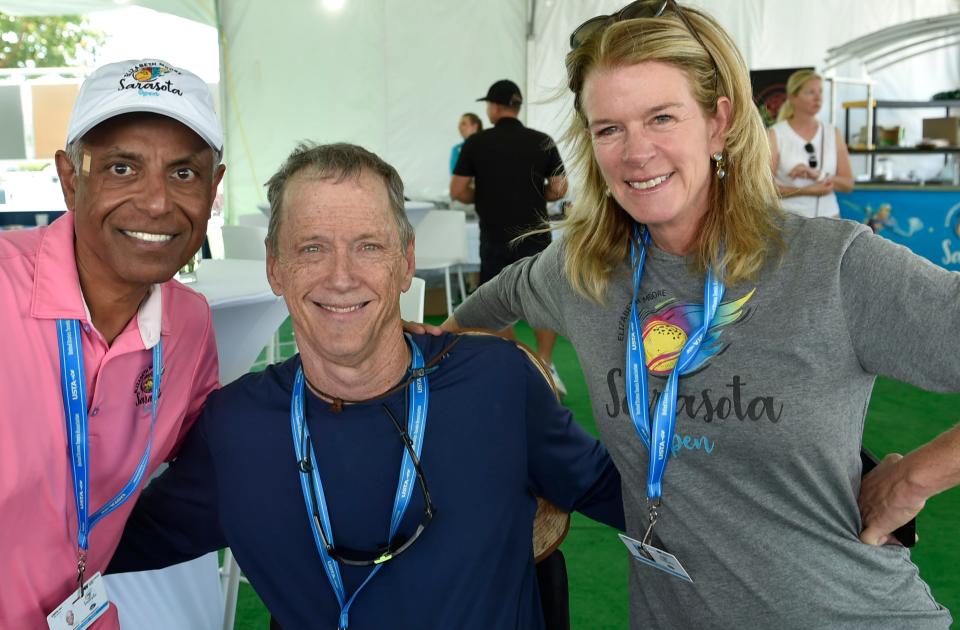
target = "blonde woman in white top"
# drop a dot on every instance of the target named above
(810, 159)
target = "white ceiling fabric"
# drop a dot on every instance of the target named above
(395, 75)
(391, 75)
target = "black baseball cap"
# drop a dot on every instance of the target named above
(504, 92)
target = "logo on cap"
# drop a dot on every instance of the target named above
(145, 78)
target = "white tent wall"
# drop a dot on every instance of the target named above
(770, 34)
(391, 75)
(395, 75)
(199, 10)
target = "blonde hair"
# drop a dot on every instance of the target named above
(795, 83)
(741, 224)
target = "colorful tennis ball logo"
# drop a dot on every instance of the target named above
(662, 343)
(147, 74)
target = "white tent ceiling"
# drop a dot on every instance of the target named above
(200, 10)
(394, 75)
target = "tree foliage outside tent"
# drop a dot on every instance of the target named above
(47, 41)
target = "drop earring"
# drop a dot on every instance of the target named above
(718, 158)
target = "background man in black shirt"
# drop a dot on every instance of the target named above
(515, 171)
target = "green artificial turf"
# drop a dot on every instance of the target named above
(900, 418)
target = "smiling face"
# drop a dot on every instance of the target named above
(809, 98)
(340, 266)
(141, 212)
(653, 143)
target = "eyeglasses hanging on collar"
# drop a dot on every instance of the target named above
(393, 548)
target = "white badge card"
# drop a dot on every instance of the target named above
(78, 612)
(656, 558)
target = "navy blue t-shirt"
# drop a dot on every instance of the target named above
(495, 434)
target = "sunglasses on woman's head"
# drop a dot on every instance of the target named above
(634, 10)
(812, 154)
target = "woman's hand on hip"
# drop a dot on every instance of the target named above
(887, 500)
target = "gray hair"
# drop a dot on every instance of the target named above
(338, 162)
(74, 151)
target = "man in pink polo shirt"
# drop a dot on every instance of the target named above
(107, 361)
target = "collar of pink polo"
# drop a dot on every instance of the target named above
(56, 285)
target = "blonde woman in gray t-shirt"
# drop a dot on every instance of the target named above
(679, 280)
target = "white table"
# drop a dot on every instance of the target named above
(246, 313)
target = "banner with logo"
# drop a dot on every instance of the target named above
(926, 221)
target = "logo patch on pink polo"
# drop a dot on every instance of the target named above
(143, 389)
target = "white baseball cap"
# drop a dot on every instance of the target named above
(146, 85)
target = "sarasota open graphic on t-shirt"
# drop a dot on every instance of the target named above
(666, 323)
(666, 327)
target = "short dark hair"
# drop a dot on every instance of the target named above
(338, 162)
(474, 120)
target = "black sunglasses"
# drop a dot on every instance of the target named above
(812, 160)
(638, 9)
(393, 548)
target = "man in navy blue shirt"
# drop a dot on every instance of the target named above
(376, 480)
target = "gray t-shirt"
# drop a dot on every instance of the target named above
(760, 493)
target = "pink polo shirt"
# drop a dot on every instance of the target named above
(38, 517)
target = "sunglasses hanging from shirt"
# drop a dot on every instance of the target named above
(811, 154)
(418, 398)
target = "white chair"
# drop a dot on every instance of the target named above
(244, 242)
(411, 301)
(442, 244)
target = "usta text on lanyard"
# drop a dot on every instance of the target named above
(75, 410)
(419, 397)
(657, 434)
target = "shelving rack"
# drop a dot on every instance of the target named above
(874, 150)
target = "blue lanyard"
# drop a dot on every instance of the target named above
(419, 393)
(665, 414)
(75, 411)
